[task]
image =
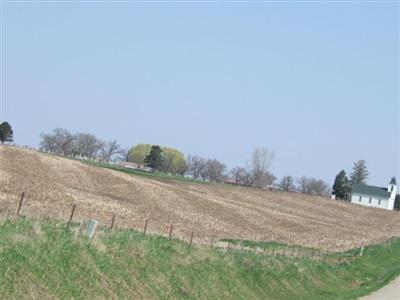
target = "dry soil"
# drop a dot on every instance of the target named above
(52, 184)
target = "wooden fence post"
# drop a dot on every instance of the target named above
(145, 227)
(212, 241)
(191, 239)
(170, 232)
(112, 222)
(72, 214)
(20, 203)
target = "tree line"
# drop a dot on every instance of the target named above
(63, 142)
(258, 175)
(170, 160)
(161, 159)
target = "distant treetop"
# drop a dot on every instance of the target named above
(360, 172)
(6, 132)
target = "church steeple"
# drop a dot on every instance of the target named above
(392, 189)
(392, 185)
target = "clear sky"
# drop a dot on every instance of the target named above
(316, 82)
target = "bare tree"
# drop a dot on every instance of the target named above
(287, 184)
(268, 179)
(303, 185)
(196, 166)
(123, 154)
(86, 144)
(204, 173)
(48, 143)
(241, 176)
(59, 141)
(215, 170)
(260, 162)
(109, 150)
(312, 186)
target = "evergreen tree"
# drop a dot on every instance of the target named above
(341, 187)
(155, 159)
(360, 172)
(397, 202)
(6, 132)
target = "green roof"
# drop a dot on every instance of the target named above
(370, 190)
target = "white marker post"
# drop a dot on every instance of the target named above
(91, 228)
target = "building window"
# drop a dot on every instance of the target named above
(391, 188)
(370, 200)
(359, 199)
(379, 202)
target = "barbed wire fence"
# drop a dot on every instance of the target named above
(219, 243)
(275, 250)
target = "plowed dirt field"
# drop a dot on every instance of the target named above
(52, 184)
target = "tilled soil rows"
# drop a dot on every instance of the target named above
(53, 184)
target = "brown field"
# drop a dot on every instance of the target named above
(52, 184)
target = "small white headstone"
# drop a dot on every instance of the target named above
(91, 228)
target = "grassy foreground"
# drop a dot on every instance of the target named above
(44, 259)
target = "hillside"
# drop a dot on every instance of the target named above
(47, 260)
(52, 184)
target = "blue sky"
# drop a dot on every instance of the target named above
(316, 82)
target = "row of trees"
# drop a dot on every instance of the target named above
(206, 169)
(164, 159)
(259, 175)
(213, 170)
(171, 160)
(87, 145)
(6, 132)
(342, 185)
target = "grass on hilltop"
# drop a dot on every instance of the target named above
(45, 259)
(151, 175)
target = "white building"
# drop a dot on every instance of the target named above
(375, 196)
(135, 166)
